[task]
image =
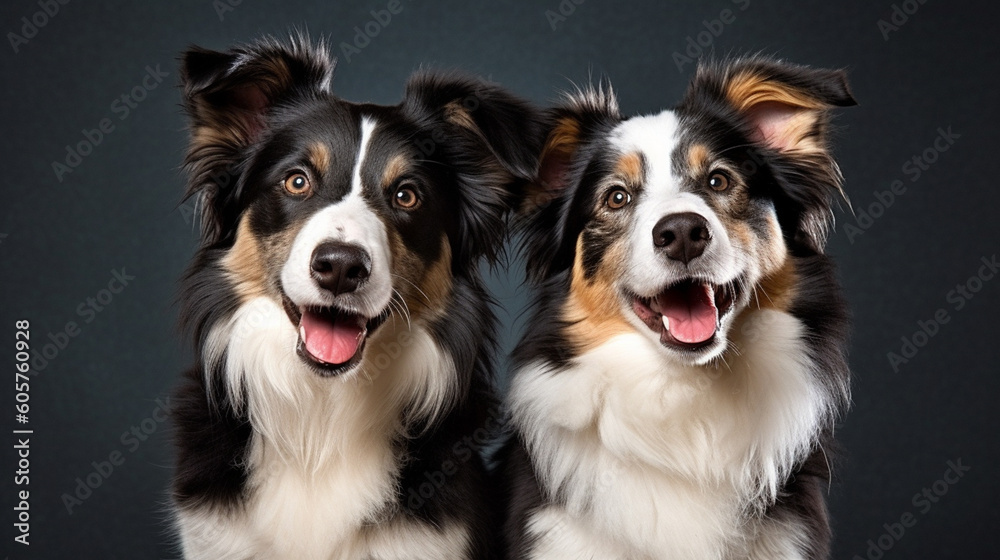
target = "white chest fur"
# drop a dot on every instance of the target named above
(323, 465)
(654, 460)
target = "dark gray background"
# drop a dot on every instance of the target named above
(118, 209)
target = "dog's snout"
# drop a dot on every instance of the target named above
(682, 237)
(340, 268)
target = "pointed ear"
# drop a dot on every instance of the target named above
(544, 213)
(228, 96)
(489, 137)
(786, 110)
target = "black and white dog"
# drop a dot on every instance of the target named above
(342, 332)
(676, 390)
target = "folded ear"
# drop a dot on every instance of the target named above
(228, 96)
(787, 105)
(489, 137)
(546, 210)
(786, 110)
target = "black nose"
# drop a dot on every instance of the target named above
(682, 237)
(340, 268)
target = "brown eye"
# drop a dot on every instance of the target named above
(718, 181)
(406, 197)
(298, 184)
(618, 198)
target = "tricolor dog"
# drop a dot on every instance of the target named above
(342, 332)
(676, 390)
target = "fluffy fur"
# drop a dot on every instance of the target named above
(283, 453)
(636, 435)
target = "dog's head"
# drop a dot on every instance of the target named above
(345, 213)
(671, 224)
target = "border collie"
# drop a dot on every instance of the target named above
(342, 332)
(675, 394)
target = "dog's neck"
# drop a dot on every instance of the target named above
(727, 434)
(323, 452)
(757, 409)
(305, 417)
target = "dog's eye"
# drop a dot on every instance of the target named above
(298, 184)
(718, 182)
(406, 197)
(618, 198)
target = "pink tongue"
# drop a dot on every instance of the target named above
(330, 339)
(691, 311)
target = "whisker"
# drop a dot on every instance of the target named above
(402, 306)
(396, 309)
(767, 296)
(737, 146)
(415, 287)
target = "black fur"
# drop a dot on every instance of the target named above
(802, 188)
(263, 103)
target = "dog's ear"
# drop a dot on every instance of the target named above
(547, 220)
(488, 137)
(228, 96)
(785, 109)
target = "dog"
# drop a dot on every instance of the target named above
(675, 392)
(342, 332)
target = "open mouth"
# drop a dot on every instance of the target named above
(332, 340)
(687, 315)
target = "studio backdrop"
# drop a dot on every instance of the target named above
(94, 236)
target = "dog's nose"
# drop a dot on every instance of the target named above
(339, 267)
(682, 237)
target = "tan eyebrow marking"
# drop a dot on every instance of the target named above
(319, 157)
(630, 168)
(396, 167)
(697, 158)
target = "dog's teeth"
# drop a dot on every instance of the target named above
(666, 322)
(302, 332)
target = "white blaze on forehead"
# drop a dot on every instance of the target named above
(367, 127)
(349, 220)
(655, 137)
